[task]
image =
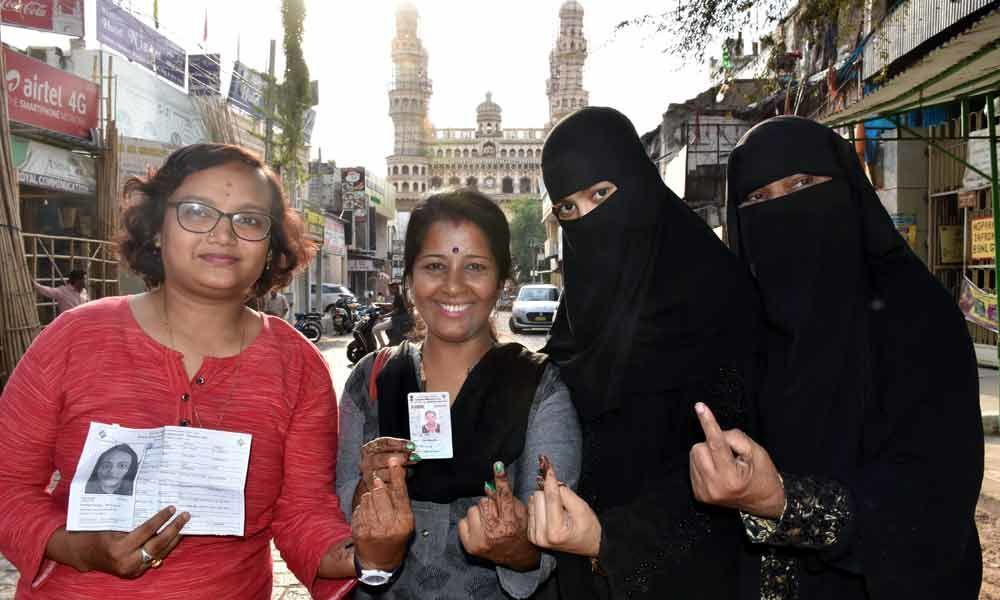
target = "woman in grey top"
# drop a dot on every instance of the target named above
(508, 407)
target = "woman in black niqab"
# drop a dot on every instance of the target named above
(869, 404)
(656, 314)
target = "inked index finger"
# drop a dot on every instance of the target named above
(388, 444)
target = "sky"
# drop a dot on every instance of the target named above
(474, 46)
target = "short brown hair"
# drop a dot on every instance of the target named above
(146, 200)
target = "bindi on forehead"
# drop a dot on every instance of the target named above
(455, 250)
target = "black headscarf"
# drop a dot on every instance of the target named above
(871, 379)
(652, 297)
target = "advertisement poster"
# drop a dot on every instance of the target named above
(950, 237)
(246, 89)
(50, 98)
(352, 187)
(139, 42)
(52, 168)
(983, 246)
(56, 16)
(333, 237)
(315, 225)
(204, 74)
(979, 156)
(978, 306)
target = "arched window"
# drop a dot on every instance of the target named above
(472, 182)
(435, 183)
(423, 170)
(475, 152)
(520, 153)
(525, 185)
(465, 153)
(503, 153)
(489, 150)
(454, 181)
(507, 185)
(395, 186)
(439, 153)
(423, 187)
(406, 169)
(406, 186)
(448, 152)
(395, 170)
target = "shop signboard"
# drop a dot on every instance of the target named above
(137, 156)
(315, 224)
(978, 306)
(983, 246)
(246, 89)
(204, 74)
(139, 42)
(950, 243)
(360, 264)
(52, 168)
(56, 16)
(977, 155)
(333, 237)
(352, 187)
(50, 98)
(155, 110)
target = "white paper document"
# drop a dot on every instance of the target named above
(125, 476)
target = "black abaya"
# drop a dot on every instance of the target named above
(656, 315)
(871, 388)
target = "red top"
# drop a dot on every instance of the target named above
(95, 363)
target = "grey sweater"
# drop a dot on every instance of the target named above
(437, 565)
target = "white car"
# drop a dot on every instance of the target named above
(534, 308)
(331, 293)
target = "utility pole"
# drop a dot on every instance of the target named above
(269, 108)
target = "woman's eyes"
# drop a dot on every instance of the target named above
(439, 267)
(602, 194)
(435, 266)
(802, 182)
(477, 267)
(756, 197)
(565, 209)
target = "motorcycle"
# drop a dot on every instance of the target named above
(343, 316)
(310, 325)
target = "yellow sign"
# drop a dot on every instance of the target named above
(315, 225)
(950, 237)
(983, 245)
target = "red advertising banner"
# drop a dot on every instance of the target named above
(50, 98)
(57, 16)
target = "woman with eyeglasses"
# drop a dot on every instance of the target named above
(209, 230)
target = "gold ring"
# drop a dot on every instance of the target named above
(156, 563)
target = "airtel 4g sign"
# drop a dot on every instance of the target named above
(50, 98)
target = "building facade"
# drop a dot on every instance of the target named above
(503, 163)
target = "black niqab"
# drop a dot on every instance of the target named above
(651, 297)
(871, 379)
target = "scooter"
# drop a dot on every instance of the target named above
(364, 335)
(310, 325)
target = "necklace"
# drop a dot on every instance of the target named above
(236, 373)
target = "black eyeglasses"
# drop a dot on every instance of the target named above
(202, 218)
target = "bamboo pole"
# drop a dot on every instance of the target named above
(18, 315)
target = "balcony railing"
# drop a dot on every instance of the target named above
(910, 24)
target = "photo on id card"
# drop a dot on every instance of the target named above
(430, 424)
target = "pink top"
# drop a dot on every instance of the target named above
(96, 364)
(66, 296)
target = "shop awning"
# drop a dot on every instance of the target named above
(966, 66)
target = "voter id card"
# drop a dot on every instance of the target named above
(430, 424)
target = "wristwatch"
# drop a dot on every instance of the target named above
(374, 577)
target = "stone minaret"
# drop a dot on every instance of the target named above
(565, 85)
(409, 94)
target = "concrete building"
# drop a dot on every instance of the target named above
(504, 163)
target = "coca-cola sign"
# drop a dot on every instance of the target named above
(50, 98)
(57, 16)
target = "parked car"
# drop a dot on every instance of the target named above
(331, 293)
(534, 308)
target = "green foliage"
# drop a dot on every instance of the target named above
(526, 234)
(292, 98)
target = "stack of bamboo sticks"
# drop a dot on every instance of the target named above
(109, 206)
(218, 120)
(18, 314)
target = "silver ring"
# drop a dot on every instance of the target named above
(145, 556)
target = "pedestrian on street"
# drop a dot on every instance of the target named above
(656, 315)
(869, 408)
(69, 295)
(395, 323)
(276, 304)
(507, 406)
(209, 229)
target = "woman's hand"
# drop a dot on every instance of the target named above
(376, 454)
(497, 528)
(383, 522)
(730, 469)
(116, 553)
(560, 520)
